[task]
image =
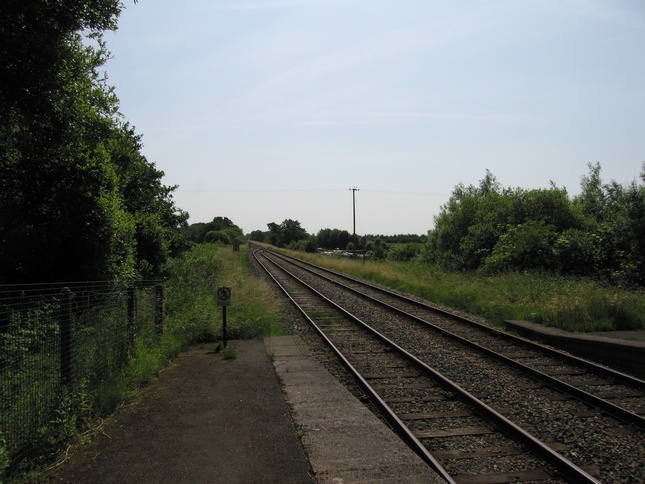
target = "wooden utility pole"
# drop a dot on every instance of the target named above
(354, 190)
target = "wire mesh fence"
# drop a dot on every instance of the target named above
(61, 345)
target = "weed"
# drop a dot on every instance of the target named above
(229, 354)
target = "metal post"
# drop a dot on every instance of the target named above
(224, 299)
(224, 344)
(66, 341)
(132, 314)
(159, 307)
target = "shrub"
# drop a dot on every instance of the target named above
(524, 247)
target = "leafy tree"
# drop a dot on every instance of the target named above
(333, 238)
(303, 245)
(377, 249)
(600, 233)
(257, 235)
(615, 227)
(287, 232)
(523, 247)
(216, 236)
(198, 231)
(404, 252)
(79, 202)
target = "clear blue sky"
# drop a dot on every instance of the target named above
(263, 110)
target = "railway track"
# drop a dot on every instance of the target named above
(405, 363)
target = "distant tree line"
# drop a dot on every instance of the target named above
(78, 200)
(289, 234)
(599, 233)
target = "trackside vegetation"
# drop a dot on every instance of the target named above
(572, 304)
(69, 414)
(491, 229)
(576, 263)
(79, 202)
(191, 302)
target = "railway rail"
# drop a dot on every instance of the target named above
(400, 363)
(589, 382)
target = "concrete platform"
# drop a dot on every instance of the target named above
(343, 440)
(616, 348)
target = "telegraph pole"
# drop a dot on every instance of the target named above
(354, 190)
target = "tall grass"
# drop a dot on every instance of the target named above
(193, 317)
(193, 313)
(578, 305)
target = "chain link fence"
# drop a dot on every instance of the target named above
(61, 347)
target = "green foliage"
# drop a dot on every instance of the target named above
(257, 235)
(192, 311)
(571, 304)
(404, 252)
(4, 457)
(333, 238)
(229, 354)
(215, 237)
(600, 233)
(190, 293)
(289, 231)
(523, 247)
(220, 230)
(303, 245)
(377, 249)
(79, 202)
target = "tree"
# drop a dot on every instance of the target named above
(404, 252)
(257, 235)
(287, 232)
(333, 238)
(197, 231)
(79, 202)
(600, 233)
(523, 247)
(614, 239)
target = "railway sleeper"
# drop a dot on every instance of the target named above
(517, 476)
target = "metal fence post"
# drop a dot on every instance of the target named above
(132, 315)
(66, 339)
(159, 307)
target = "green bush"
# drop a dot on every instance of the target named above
(523, 247)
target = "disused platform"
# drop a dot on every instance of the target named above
(621, 349)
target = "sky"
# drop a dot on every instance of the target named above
(267, 110)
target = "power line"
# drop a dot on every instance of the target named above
(278, 190)
(428, 194)
(253, 190)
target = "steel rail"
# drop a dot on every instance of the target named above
(616, 411)
(565, 467)
(397, 424)
(601, 370)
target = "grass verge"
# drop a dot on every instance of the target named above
(577, 305)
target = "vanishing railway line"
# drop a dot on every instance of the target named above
(430, 374)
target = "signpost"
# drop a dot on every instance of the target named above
(224, 300)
